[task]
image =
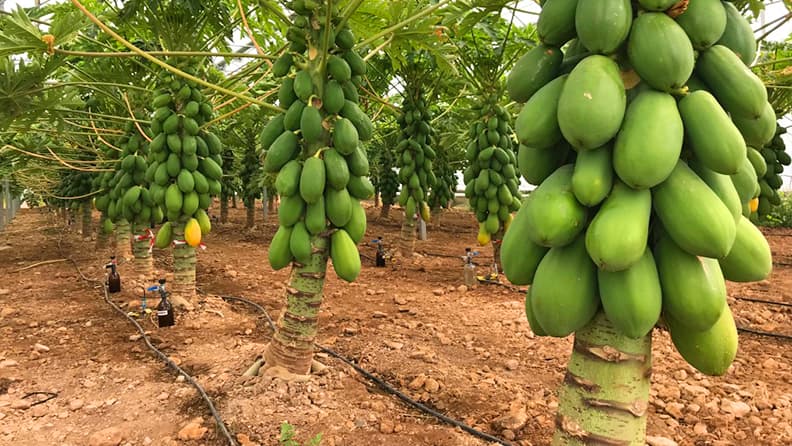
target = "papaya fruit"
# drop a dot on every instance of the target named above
(758, 132)
(336, 169)
(649, 143)
(311, 124)
(356, 227)
(282, 150)
(345, 136)
(603, 25)
(303, 85)
(338, 68)
(291, 120)
(562, 310)
(721, 185)
(338, 206)
(287, 182)
(714, 138)
(745, 181)
(592, 178)
(554, 217)
(750, 259)
(185, 181)
(300, 243)
(286, 95)
(660, 51)
(282, 65)
(532, 322)
(532, 71)
(164, 235)
(656, 5)
(203, 221)
(706, 229)
(358, 162)
(537, 123)
(173, 198)
(632, 298)
(279, 252)
(694, 293)
(556, 23)
(312, 180)
(333, 98)
(345, 256)
(592, 103)
(211, 169)
(758, 163)
(192, 232)
(737, 88)
(360, 187)
(315, 218)
(190, 203)
(710, 351)
(519, 255)
(704, 22)
(617, 236)
(361, 120)
(738, 35)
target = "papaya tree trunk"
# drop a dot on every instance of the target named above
(376, 199)
(408, 236)
(250, 207)
(123, 248)
(184, 260)
(101, 235)
(234, 200)
(497, 238)
(224, 209)
(271, 203)
(87, 220)
(265, 204)
(385, 211)
(141, 244)
(292, 344)
(605, 394)
(72, 216)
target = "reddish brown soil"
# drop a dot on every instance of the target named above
(478, 359)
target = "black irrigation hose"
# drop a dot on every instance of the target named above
(764, 333)
(384, 385)
(50, 395)
(769, 302)
(161, 355)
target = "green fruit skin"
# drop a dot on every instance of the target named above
(759, 164)
(738, 34)
(312, 180)
(211, 169)
(519, 255)
(740, 91)
(282, 150)
(710, 351)
(315, 218)
(562, 310)
(694, 292)
(537, 164)
(338, 206)
(311, 124)
(291, 209)
(291, 120)
(287, 182)
(665, 66)
(532, 71)
(592, 103)
(706, 229)
(356, 228)
(279, 252)
(554, 217)
(361, 121)
(164, 236)
(603, 25)
(346, 259)
(750, 259)
(656, 5)
(300, 243)
(537, 124)
(336, 169)
(173, 198)
(745, 181)
(714, 138)
(556, 24)
(186, 181)
(650, 141)
(190, 203)
(345, 136)
(360, 188)
(617, 236)
(704, 22)
(722, 186)
(532, 322)
(632, 299)
(333, 99)
(358, 163)
(203, 221)
(592, 178)
(758, 132)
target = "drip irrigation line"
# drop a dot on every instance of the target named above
(764, 333)
(162, 356)
(382, 384)
(769, 302)
(50, 395)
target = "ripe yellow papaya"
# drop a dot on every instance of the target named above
(192, 232)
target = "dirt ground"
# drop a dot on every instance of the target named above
(467, 353)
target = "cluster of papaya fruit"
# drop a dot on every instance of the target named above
(491, 183)
(415, 154)
(126, 196)
(648, 219)
(315, 145)
(442, 194)
(185, 166)
(75, 184)
(769, 164)
(388, 186)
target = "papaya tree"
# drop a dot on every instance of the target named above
(605, 219)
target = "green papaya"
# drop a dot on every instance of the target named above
(190, 203)
(132, 195)
(665, 66)
(632, 298)
(356, 227)
(164, 236)
(750, 259)
(279, 251)
(346, 259)
(556, 24)
(291, 120)
(211, 169)
(300, 243)
(361, 120)
(190, 162)
(358, 163)
(714, 138)
(656, 5)
(288, 180)
(338, 206)
(537, 124)
(356, 63)
(333, 98)
(738, 35)
(758, 163)
(291, 210)
(532, 322)
(173, 198)
(721, 185)
(203, 221)
(311, 124)
(532, 71)
(554, 217)
(592, 178)
(519, 255)
(282, 65)
(617, 236)
(337, 171)
(704, 22)
(603, 25)
(592, 103)
(282, 150)
(710, 351)
(745, 181)
(286, 95)
(740, 91)
(345, 136)
(694, 293)
(758, 132)
(360, 187)
(315, 218)
(303, 85)
(312, 180)
(172, 166)
(562, 310)
(648, 146)
(706, 229)
(185, 181)
(338, 69)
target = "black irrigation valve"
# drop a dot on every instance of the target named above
(113, 278)
(165, 316)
